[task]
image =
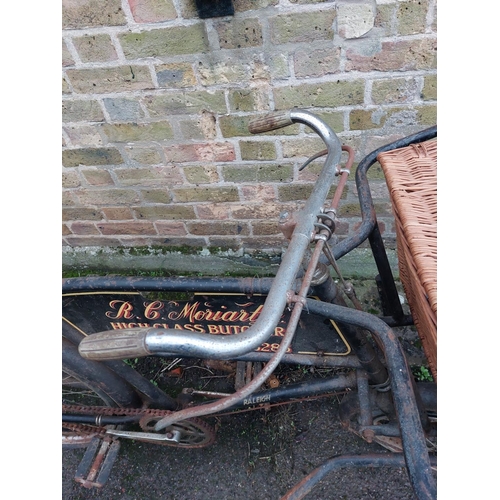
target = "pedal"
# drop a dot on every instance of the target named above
(97, 462)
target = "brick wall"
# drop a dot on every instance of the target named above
(156, 103)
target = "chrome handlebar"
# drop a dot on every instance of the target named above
(137, 342)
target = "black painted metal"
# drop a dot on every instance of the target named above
(365, 411)
(167, 284)
(289, 393)
(214, 8)
(409, 408)
(392, 304)
(358, 461)
(248, 286)
(406, 320)
(369, 227)
(347, 361)
(97, 375)
(411, 414)
(300, 390)
(103, 420)
(153, 396)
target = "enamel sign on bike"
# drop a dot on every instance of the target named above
(228, 314)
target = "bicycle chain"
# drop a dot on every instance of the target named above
(114, 412)
(85, 429)
(146, 414)
(101, 431)
(108, 411)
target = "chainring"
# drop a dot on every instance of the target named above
(194, 432)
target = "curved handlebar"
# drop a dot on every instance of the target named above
(138, 342)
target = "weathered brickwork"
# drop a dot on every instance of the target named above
(156, 104)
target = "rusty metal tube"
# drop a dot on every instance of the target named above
(299, 491)
(268, 369)
(402, 386)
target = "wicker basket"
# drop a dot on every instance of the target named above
(411, 175)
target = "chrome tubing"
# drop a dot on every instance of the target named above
(187, 343)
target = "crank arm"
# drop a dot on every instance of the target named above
(171, 436)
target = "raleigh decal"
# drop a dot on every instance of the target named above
(266, 398)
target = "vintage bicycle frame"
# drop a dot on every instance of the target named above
(388, 384)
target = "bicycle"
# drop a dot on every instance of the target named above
(252, 326)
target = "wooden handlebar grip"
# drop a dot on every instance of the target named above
(271, 121)
(114, 345)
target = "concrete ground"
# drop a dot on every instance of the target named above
(358, 264)
(257, 456)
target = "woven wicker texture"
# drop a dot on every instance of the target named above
(411, 175)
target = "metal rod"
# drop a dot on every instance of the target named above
(104, 420)
(364, 398)
(168, 284)
(358, 461)
(365, 198)
(300, 390)
(369, 227)
(391, 302)
(341, 361)
(402, 384)
(156, 340)
(268, 369)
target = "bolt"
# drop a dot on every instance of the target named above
(368, 435)
(284, 216)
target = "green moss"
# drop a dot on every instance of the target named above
(137, 251)
(142, 261)
(81, 273)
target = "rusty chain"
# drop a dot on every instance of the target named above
(146, 415)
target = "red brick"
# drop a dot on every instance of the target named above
(171, 228)
(206, 152)
(80, 213)
(221, 228)
(117, 213)
(341, 227)
(258, 193)
(404, 55)
(126, 228)
(84, 228)
(92, 241)
(212, 211)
